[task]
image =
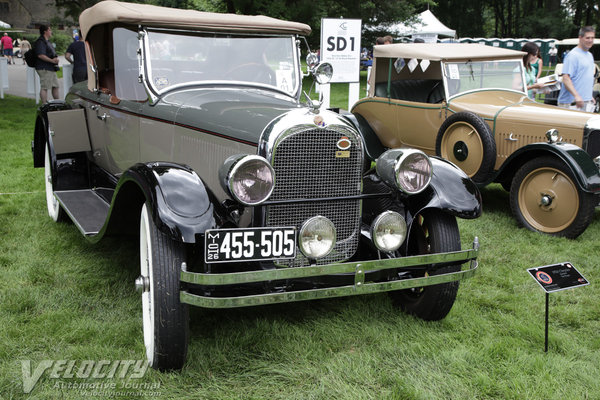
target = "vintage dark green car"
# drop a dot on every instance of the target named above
(191, 133)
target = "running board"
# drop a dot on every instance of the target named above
(87, 210)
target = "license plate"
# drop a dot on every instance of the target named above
(253, 244)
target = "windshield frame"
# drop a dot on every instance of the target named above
(446, 78)
(154, 92)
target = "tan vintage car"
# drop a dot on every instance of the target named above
(468, 104)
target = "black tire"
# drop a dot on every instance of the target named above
(55, 210)
(466, 140)
(506, 184)
(165, 318)
(432, 232)
(545, 197)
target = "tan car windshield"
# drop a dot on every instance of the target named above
(499, 74)
(184, 58)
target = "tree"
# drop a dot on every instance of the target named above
(371, 12)
(467, 17)
(73, 8)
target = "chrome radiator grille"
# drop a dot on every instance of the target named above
(308, 166)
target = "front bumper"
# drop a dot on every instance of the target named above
(357, 268)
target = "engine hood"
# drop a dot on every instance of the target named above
(238, 113)
(499, 106)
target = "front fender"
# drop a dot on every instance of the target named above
(584, 169)
(450, 190)
(181, 204)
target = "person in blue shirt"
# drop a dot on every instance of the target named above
(76, 55)
(578, 73)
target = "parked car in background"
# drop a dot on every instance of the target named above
(191, 134)
(467, 103)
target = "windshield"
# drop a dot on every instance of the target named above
(181, 58)
(498, 74)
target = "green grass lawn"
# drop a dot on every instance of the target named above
(62, 298)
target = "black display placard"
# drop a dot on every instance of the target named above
(555, 277)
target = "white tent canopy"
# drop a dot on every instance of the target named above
(427, 29)
(4, 25)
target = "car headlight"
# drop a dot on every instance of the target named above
(552, 136)
(409, 170)
(388, 231)
(317, 237)
(250, 179)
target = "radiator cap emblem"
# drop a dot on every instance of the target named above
(344, 143)
(318, 120)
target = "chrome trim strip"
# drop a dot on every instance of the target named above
(145, 75)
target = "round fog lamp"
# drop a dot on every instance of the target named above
(388, 231)
(317, 237)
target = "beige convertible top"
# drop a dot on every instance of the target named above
(145, 14)
(444, 51)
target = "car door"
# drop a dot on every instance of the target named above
(418, 124)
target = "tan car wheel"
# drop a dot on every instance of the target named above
(544, 197)
(465, 140)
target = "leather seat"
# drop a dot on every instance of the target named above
(413, 90)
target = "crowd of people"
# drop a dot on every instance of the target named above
(46, 59)
(578, 71)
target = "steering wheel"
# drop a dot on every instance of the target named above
(432, 91)
(252, 72)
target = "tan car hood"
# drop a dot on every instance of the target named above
(511, 106)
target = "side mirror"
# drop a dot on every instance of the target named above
(312, 59)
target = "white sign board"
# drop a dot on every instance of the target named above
(340, 46)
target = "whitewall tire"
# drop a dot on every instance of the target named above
(165, 318)
(55, 211)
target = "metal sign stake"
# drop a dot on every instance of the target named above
(553, 278)
(547, 308)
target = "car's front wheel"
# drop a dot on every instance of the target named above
(545, 197)
(55, 210)
(432, 232)
(165, 318)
